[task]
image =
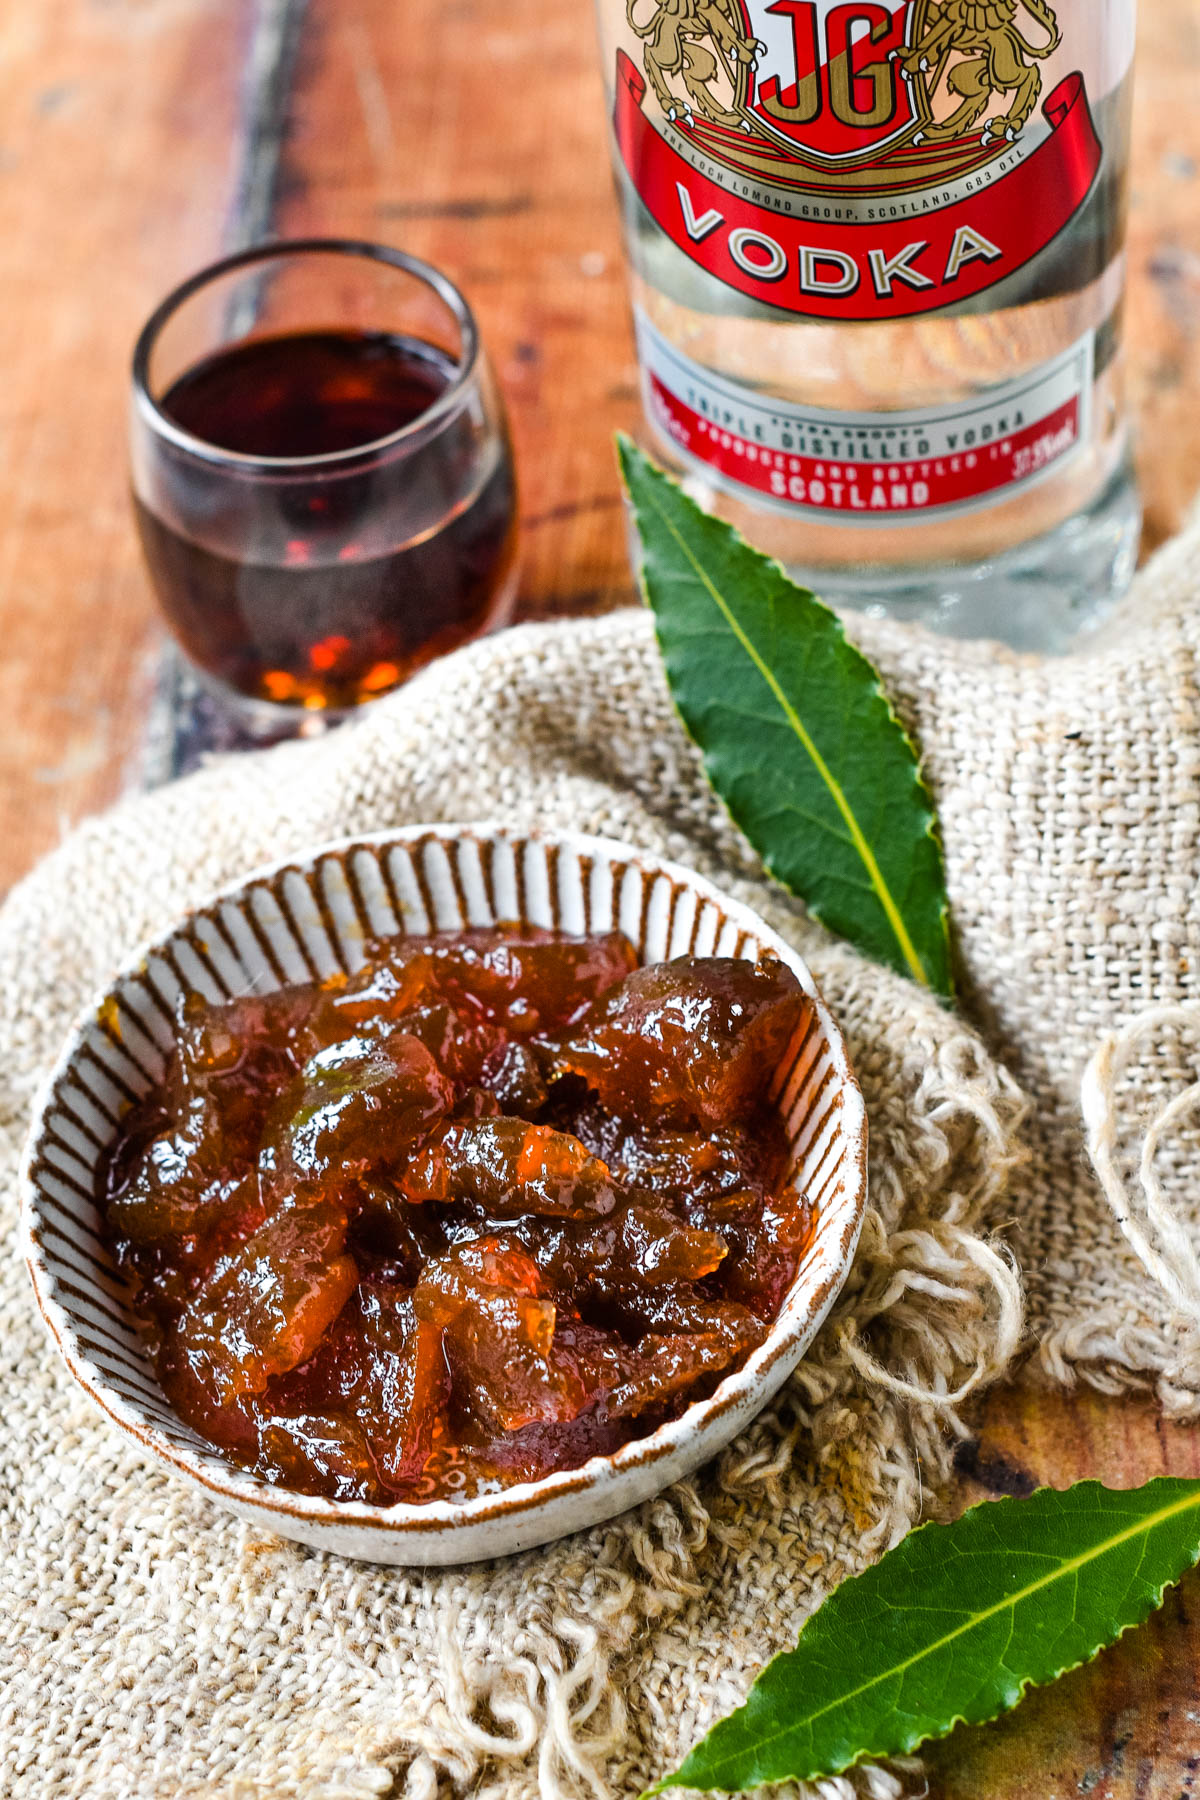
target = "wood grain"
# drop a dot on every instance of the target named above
(134, 145)
(1163, 303)
(137, 138)
(1126, 1727)
(117, 133)
(475, 137)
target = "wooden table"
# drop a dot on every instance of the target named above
(138, 138)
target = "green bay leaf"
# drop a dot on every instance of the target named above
(797, 734)
(953, 1625)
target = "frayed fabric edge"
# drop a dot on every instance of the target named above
(564, 1736)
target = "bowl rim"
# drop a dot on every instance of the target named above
(407, 1518)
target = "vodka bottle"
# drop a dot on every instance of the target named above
(876, 257)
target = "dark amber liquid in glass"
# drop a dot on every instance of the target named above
(298, 603)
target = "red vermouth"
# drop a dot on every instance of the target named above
(876, 266)
(310, 597)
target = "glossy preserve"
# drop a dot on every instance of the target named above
(497, 1203)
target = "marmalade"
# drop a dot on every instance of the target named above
(499, 1202)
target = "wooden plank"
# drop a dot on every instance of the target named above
(116, 167)
(1163, 305)
(1126, 1727)
(474, 135)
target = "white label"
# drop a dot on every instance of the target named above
(880, 468)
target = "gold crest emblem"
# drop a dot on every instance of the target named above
(814, 94)
(980, 51)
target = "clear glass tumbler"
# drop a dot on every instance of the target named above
(322, 474)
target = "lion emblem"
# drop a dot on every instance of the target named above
(994, 53)
(696, 41)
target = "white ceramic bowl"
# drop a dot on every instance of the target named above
(306, 918)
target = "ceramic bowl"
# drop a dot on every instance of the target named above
(309, 918)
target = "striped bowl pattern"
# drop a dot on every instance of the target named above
(311, 918)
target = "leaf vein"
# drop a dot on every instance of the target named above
(1141, 1527)
(878, 885)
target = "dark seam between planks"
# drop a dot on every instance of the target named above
(186, 722)
(264, 113)
(503, 206)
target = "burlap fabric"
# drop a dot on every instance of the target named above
(153, 1647)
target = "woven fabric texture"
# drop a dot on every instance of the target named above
(155, 1647)
(1069, 799)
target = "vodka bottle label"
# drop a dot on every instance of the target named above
(858, 161)
(890, 468)
(876, 256)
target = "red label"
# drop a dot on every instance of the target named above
(890, 468)
(879, 256)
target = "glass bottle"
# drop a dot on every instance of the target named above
(876, 255)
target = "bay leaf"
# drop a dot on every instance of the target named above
(798, 737)
(953, 1625)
